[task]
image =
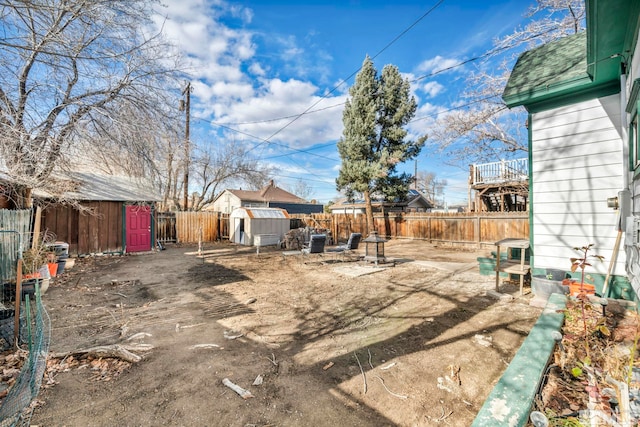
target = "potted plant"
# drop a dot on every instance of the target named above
(32, 260)
(582, 288)
(35, 268)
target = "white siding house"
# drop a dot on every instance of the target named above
(269, 196)
(582, 95)
(576, 156)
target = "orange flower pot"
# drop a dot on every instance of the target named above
(575, 288)
(53, 268)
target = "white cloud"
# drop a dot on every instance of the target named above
(287, 100)
(425, 119)
(437, 64)
(257, 69)
(212, 50)
(231, 84)
(432, 89)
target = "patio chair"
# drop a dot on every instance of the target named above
(315, 246)
(352, 244)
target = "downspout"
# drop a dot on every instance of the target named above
(624, 196)
(530, 195)
(624, 125)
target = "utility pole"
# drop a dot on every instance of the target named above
(186, 106)
(415, 175)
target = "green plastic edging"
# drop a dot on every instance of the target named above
(509, 403)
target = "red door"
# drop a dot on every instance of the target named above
(138, 228)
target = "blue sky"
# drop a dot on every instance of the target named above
(255, 66)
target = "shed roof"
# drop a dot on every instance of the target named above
(98, 187)
(261, 213)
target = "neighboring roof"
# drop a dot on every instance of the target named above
(268, 193)
(98, 187)
(261, 213)
(548, 69)
(412, 196)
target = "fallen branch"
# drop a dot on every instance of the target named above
(207, 346)
(273, 360)
(230, 336)
(399, 396)
(444, 416)
(116, 351)
(364, 378)
(138, 336)
(191, 326)
(368, 351)
(245, 394)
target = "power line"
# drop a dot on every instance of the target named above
(428, 12)
(268, 139)
(255, 122)
(309, 150)
(417, 79)
(309, 109)
(259, 138)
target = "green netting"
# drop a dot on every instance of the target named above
(35, 333)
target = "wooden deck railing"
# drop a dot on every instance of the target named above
(499, 172)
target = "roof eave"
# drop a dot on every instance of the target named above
(573, 96)
(547, 92)
(611, 32)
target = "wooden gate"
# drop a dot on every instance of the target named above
(166, 227)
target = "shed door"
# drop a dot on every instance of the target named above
(138, 228)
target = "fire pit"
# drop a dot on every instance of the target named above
(374, 248)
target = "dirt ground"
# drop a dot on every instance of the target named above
(336, 343)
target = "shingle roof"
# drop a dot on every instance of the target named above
(98, 187)
(539, 70)
(412, 196)
(269, 193)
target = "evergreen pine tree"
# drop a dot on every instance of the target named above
(373, 141)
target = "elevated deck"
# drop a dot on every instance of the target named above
(500, 186)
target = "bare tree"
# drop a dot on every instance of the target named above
(225, 164)
(132, 142)
(486, 129)
(431, 187)
(302, 189)
(67, 71)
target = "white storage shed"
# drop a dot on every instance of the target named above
(258, 226)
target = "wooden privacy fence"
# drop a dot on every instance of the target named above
(191, 227)
(454, 228)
